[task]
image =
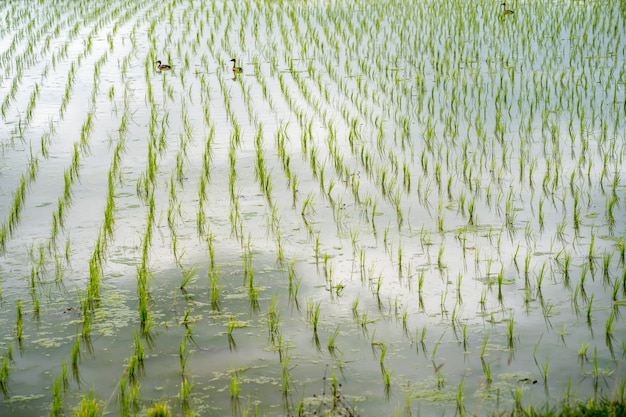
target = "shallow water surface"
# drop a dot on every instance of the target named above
(395, 209)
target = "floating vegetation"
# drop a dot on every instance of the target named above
(369, 185)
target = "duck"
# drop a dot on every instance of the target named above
(162, 67)
(235, 67)
(506, 11)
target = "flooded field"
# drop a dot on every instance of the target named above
(378, 208)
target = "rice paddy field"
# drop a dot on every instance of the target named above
(394, 208)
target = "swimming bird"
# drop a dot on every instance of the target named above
(162, 67)
(235, 67)
(506, 11)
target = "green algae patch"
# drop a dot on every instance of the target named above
(50, 342)
(117, 314)
(23, 398)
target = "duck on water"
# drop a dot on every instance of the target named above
(505, 10)
(235, 67)
(162, 67)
